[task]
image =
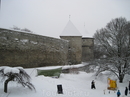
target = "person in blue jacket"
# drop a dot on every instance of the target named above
(118, 93)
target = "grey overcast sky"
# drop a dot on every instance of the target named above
(49, 17)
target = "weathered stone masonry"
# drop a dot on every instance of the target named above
(87, 49)
(75, 49)
(30, 50)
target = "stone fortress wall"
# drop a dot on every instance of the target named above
(30, 50)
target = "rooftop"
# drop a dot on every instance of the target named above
(70, 30)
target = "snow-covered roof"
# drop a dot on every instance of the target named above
(86, 34)
(70, 30)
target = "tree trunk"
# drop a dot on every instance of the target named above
(121, 80)
(121, 77)
(6, 83)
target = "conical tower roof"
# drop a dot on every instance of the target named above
(70, 30)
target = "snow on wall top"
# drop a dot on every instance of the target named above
(70, 30)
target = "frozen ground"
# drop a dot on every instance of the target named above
(74, 85)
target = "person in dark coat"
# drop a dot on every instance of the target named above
(126, 91)
(129, 87)
(93, 85)
(118, 93)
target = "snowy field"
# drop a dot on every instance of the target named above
(74, 85)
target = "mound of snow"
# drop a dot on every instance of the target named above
(10, 69)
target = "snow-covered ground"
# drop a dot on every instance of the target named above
(74, 85)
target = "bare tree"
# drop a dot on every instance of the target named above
(115, 40)
(15, 74)
(99, 51)
(15, 28)
(24, 29)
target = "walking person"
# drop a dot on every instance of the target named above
(126, 91)
(118, 93)
(93, 85)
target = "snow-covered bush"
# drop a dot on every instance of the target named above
(17, 74)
